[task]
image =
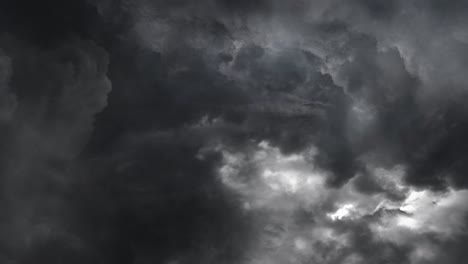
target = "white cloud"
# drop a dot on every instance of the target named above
(344, 211)
(425, 212)
(278, 185)
(267, 178)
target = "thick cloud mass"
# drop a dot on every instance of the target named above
(243, 132)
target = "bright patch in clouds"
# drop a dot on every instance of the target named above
(280, 185)
(408, 222)
(432, 212)
(345, 211)
(264, 175)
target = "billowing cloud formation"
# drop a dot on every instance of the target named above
(302, 220)
(260, 131)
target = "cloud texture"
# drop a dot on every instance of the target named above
(244, 132)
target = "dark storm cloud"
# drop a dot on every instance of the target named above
(50, 105)
(56, 117)
(416, 132)
(8, 103)
(198, 86)
(45, 21)
(203, 222)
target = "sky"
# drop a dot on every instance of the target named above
(233, 132)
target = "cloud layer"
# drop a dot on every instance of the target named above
(221, 131)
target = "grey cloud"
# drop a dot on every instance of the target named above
(362, 69)
(366, 98)
(58, 92)
(8, 104)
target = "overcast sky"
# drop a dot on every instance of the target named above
(233, 131)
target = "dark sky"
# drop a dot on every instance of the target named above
(233, 132)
